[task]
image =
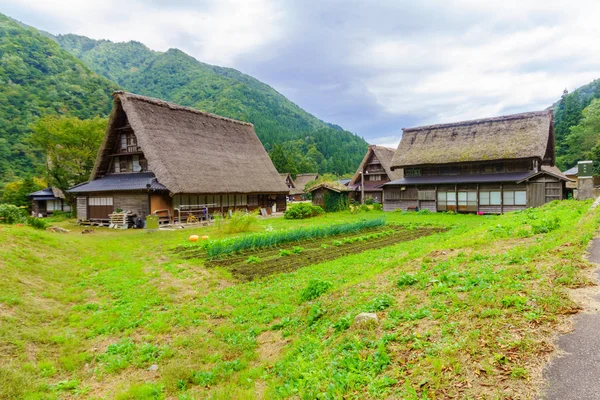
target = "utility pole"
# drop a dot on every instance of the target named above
(362, 188)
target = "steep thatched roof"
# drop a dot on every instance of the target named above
(191, 151)
(302, 179)
(518, 136)
(385, 156)
(294, 189)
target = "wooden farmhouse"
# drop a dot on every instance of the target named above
(46, 201)
(329, 195)
(492, 165)
(376, 170)
(164, 159)
(300, 185)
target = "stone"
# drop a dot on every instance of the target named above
(153, 367)
(363, 318)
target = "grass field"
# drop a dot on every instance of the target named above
(468, 311)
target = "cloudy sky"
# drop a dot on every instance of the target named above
(372, 67)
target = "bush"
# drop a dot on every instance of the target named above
(37, 223)
(334, 202)
(369, 201)
(314, 289)
(302, 211)
(545, 226)
(377, 206)
(11, 214)
(241, 222)
(406, 279)
(364, 208)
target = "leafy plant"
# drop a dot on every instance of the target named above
(38, 223)
(11, 214)
(284, 253)
(314, 289)
(302, 211)
(406, 279)
(297, 249)
(241, 221)
(253, 260)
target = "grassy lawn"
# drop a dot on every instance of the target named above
(466, 312)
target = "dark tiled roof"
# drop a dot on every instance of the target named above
(441, 179)
(120, 182)
(369, 186)
(48, 193)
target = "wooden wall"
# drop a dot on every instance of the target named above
(137, 203)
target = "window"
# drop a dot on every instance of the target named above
(495, 198)
(100, 201)
(117, 165)
(484, 198)
(123, 165)
(449, 170)
(412, 172)
(123, 142)
(492, 168)
(520, 198)
(451, 198)
(136, 164)
(241, 200)
(462, 198)
(509, 198)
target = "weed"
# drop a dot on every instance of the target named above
(253, 260)
(284, 253)
(297, 249)
(314, 289)
(406, 279)
(241, 222)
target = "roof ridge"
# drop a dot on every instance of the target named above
(173, 106)
(524, 115)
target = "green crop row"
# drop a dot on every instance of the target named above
(272, 239)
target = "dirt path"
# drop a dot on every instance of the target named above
(576, 373)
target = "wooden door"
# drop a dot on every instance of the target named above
(100, 207)
(536, 194)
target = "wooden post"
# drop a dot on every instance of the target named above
(478, 198)
(437, 209)
(501, 198)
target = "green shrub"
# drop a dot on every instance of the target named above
(314, 289)
(37, 223)
(11, 214)
(284, 253)
(241, 222)
(380, 303)
(253, 260)
(302, 211)
(333, 202)
(377, 206)
(364, 208)
(369, 201)
(424, 212)
(545, 225)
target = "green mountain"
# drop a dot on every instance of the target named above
(567, 114)
(310, 143)
(38, 78)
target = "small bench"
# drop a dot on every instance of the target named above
(412, 208)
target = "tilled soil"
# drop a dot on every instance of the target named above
(313, 253)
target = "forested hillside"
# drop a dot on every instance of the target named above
(309, 143)
(38, 78)
(568, 113)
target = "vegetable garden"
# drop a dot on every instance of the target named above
(253, 256)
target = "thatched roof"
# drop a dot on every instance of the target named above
(518, 136)
(385, 156)
(294, 189)
(336, 187)
(191, 151)
(302, 179)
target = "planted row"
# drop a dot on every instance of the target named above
(272, 239)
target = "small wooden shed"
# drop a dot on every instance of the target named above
(46, 201)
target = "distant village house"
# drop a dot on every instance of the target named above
(46, 201)
(376, 171)
(297, 186)
(492, 165)
(164, 159)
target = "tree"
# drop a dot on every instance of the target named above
(69, 145)
(584, 139)
(16, 192)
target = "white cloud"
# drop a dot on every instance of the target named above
(214, 33)
(371, 68)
